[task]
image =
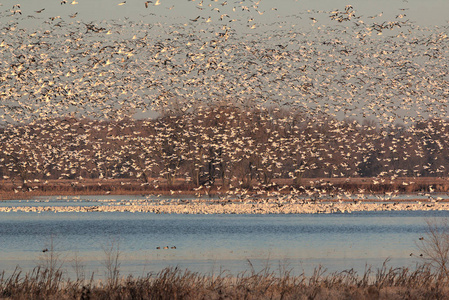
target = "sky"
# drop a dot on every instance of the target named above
(424, 13)
(190, 28)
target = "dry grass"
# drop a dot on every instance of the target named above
(173, 283)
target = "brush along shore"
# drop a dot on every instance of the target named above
(157, 186)
(267, 206)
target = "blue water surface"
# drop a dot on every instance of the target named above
(209, 243)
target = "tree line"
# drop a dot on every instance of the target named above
(223, 145)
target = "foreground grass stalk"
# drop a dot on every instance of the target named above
(112, 263)
(173, 283)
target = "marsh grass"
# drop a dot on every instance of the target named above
(174, 283)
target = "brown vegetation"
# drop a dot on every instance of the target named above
(172, 283)
(130, 186)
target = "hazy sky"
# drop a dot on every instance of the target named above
(304, 25)
(425, 13)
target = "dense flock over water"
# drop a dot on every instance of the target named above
(337, 93)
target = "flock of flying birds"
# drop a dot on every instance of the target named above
(333, 65)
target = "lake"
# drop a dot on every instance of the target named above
(210, 243)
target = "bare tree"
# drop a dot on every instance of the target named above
(112, 262)
(434, 247)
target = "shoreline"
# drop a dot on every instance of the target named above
(203, 207)
(335, 188)
(347, 195)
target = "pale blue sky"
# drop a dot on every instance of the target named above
(275, 23)
(425, 13)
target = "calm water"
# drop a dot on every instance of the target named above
(208, 243)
